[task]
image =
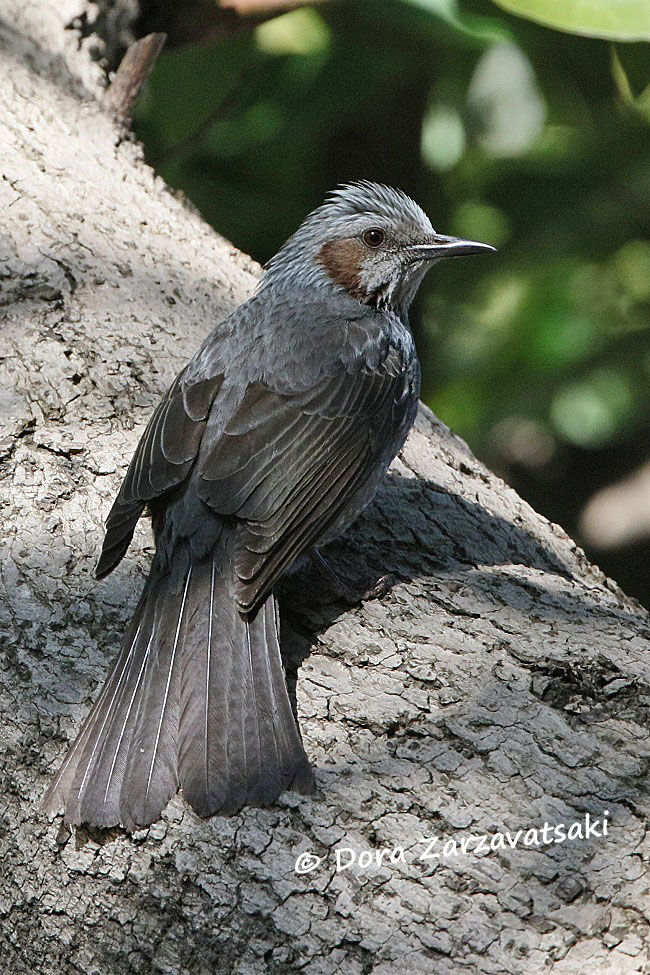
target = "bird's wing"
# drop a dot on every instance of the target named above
(286, 462)
(162, 460)
(287, 465)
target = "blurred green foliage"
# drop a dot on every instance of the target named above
(523, 142)
(534, 140)
(622, 20)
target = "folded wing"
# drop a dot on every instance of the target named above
(289, 466)
(284, 464)
(162, 460)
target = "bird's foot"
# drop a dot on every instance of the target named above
(352, 594)
(381, 587)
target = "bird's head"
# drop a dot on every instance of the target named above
(370, 240)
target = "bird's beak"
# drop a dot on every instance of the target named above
(443, 246)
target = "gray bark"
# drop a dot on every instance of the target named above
(499, 681)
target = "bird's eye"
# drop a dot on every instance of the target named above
(374, 237)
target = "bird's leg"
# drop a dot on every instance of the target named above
(341, 587)
(333, 575)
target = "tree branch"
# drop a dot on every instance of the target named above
(500, 683)
(135, 68)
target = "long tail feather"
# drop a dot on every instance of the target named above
(197, 698)
(239, 743)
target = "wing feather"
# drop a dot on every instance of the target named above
(162, 460)
(286, 465)
(283, 462)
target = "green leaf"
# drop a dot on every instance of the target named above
(483, 30)
(300, 31)
(639, 104)
(616, 20)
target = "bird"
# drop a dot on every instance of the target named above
(267, 446)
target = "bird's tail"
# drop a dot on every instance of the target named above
(196, 699)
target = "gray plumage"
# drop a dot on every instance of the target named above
(270, 442)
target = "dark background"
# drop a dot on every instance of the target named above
(532, 139)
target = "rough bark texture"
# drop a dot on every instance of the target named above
(500, 682)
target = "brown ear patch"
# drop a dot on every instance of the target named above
(343, 260)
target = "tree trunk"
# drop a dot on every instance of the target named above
(496, 683)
